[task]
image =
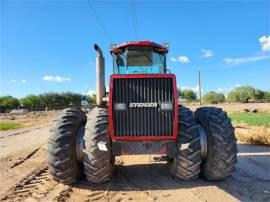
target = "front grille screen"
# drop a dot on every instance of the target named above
(138, 107)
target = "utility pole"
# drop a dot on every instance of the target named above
(200, 93)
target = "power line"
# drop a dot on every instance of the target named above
(134, 18)
(98, 20)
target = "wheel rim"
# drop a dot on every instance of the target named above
(203, 141)
(80, 144)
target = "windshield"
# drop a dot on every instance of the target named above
(139, 60)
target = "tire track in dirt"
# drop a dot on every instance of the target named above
(84, 191)
(24, 159)
(120, 188)
(25, 186)
(38, 186)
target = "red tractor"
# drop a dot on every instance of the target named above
(140, 116)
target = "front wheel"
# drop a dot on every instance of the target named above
(221, 143)
(186, 164)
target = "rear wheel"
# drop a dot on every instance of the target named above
(186, 165)
(221, 143)
(98, 162)
(62, 158)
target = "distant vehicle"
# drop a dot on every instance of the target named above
(141, 116)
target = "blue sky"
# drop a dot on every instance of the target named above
(48, 45)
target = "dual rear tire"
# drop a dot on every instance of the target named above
(62, 159)
(98, 164)
(219, 161)
(221, 143)
(66, 162)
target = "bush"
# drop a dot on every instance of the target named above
(213, 97)
(189, 95)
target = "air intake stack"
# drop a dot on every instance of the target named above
(100, 76)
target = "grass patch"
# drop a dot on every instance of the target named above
(260, 136)
(8, 126)
(256, 119)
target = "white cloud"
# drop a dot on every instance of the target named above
(173, 59)
(238, 85)
(13, 81)
(207, 53)
(183, 59)
(56, 78)
(265, 43)
(90, 92)
(226, 90)
(237, 61)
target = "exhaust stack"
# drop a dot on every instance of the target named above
(100, 76)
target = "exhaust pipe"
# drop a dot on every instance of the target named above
(100, 76)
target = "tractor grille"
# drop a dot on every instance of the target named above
(143, 121)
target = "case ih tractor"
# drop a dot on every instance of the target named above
(140, 116)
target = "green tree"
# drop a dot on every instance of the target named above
(245, 93)
(242, 94)
(232, 97)
(66, 99)
(93, 99)
(9, 102)
(267, 96)
(71, 99)
(213, 97)
(31, 100)
(179, 92)
(258, 95)
(189, 95)
(52, 100)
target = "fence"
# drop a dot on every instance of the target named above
(29, 108)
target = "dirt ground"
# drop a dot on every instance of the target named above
(235, 107)
(28, 119)
(24, 176)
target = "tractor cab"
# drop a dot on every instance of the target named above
(141, 57)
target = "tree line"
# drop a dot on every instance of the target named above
(243, 94)
(49, 100)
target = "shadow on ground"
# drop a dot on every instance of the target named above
(249, 182)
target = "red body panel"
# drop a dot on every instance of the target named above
(139, 43)
(175, 124)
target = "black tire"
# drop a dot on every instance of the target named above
(221, 143)
(62, 159)
(98, 165)
(186, 165)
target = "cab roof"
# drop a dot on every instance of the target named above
(157, 47)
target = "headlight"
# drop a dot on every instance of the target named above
(120, 106)
(166, 106)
